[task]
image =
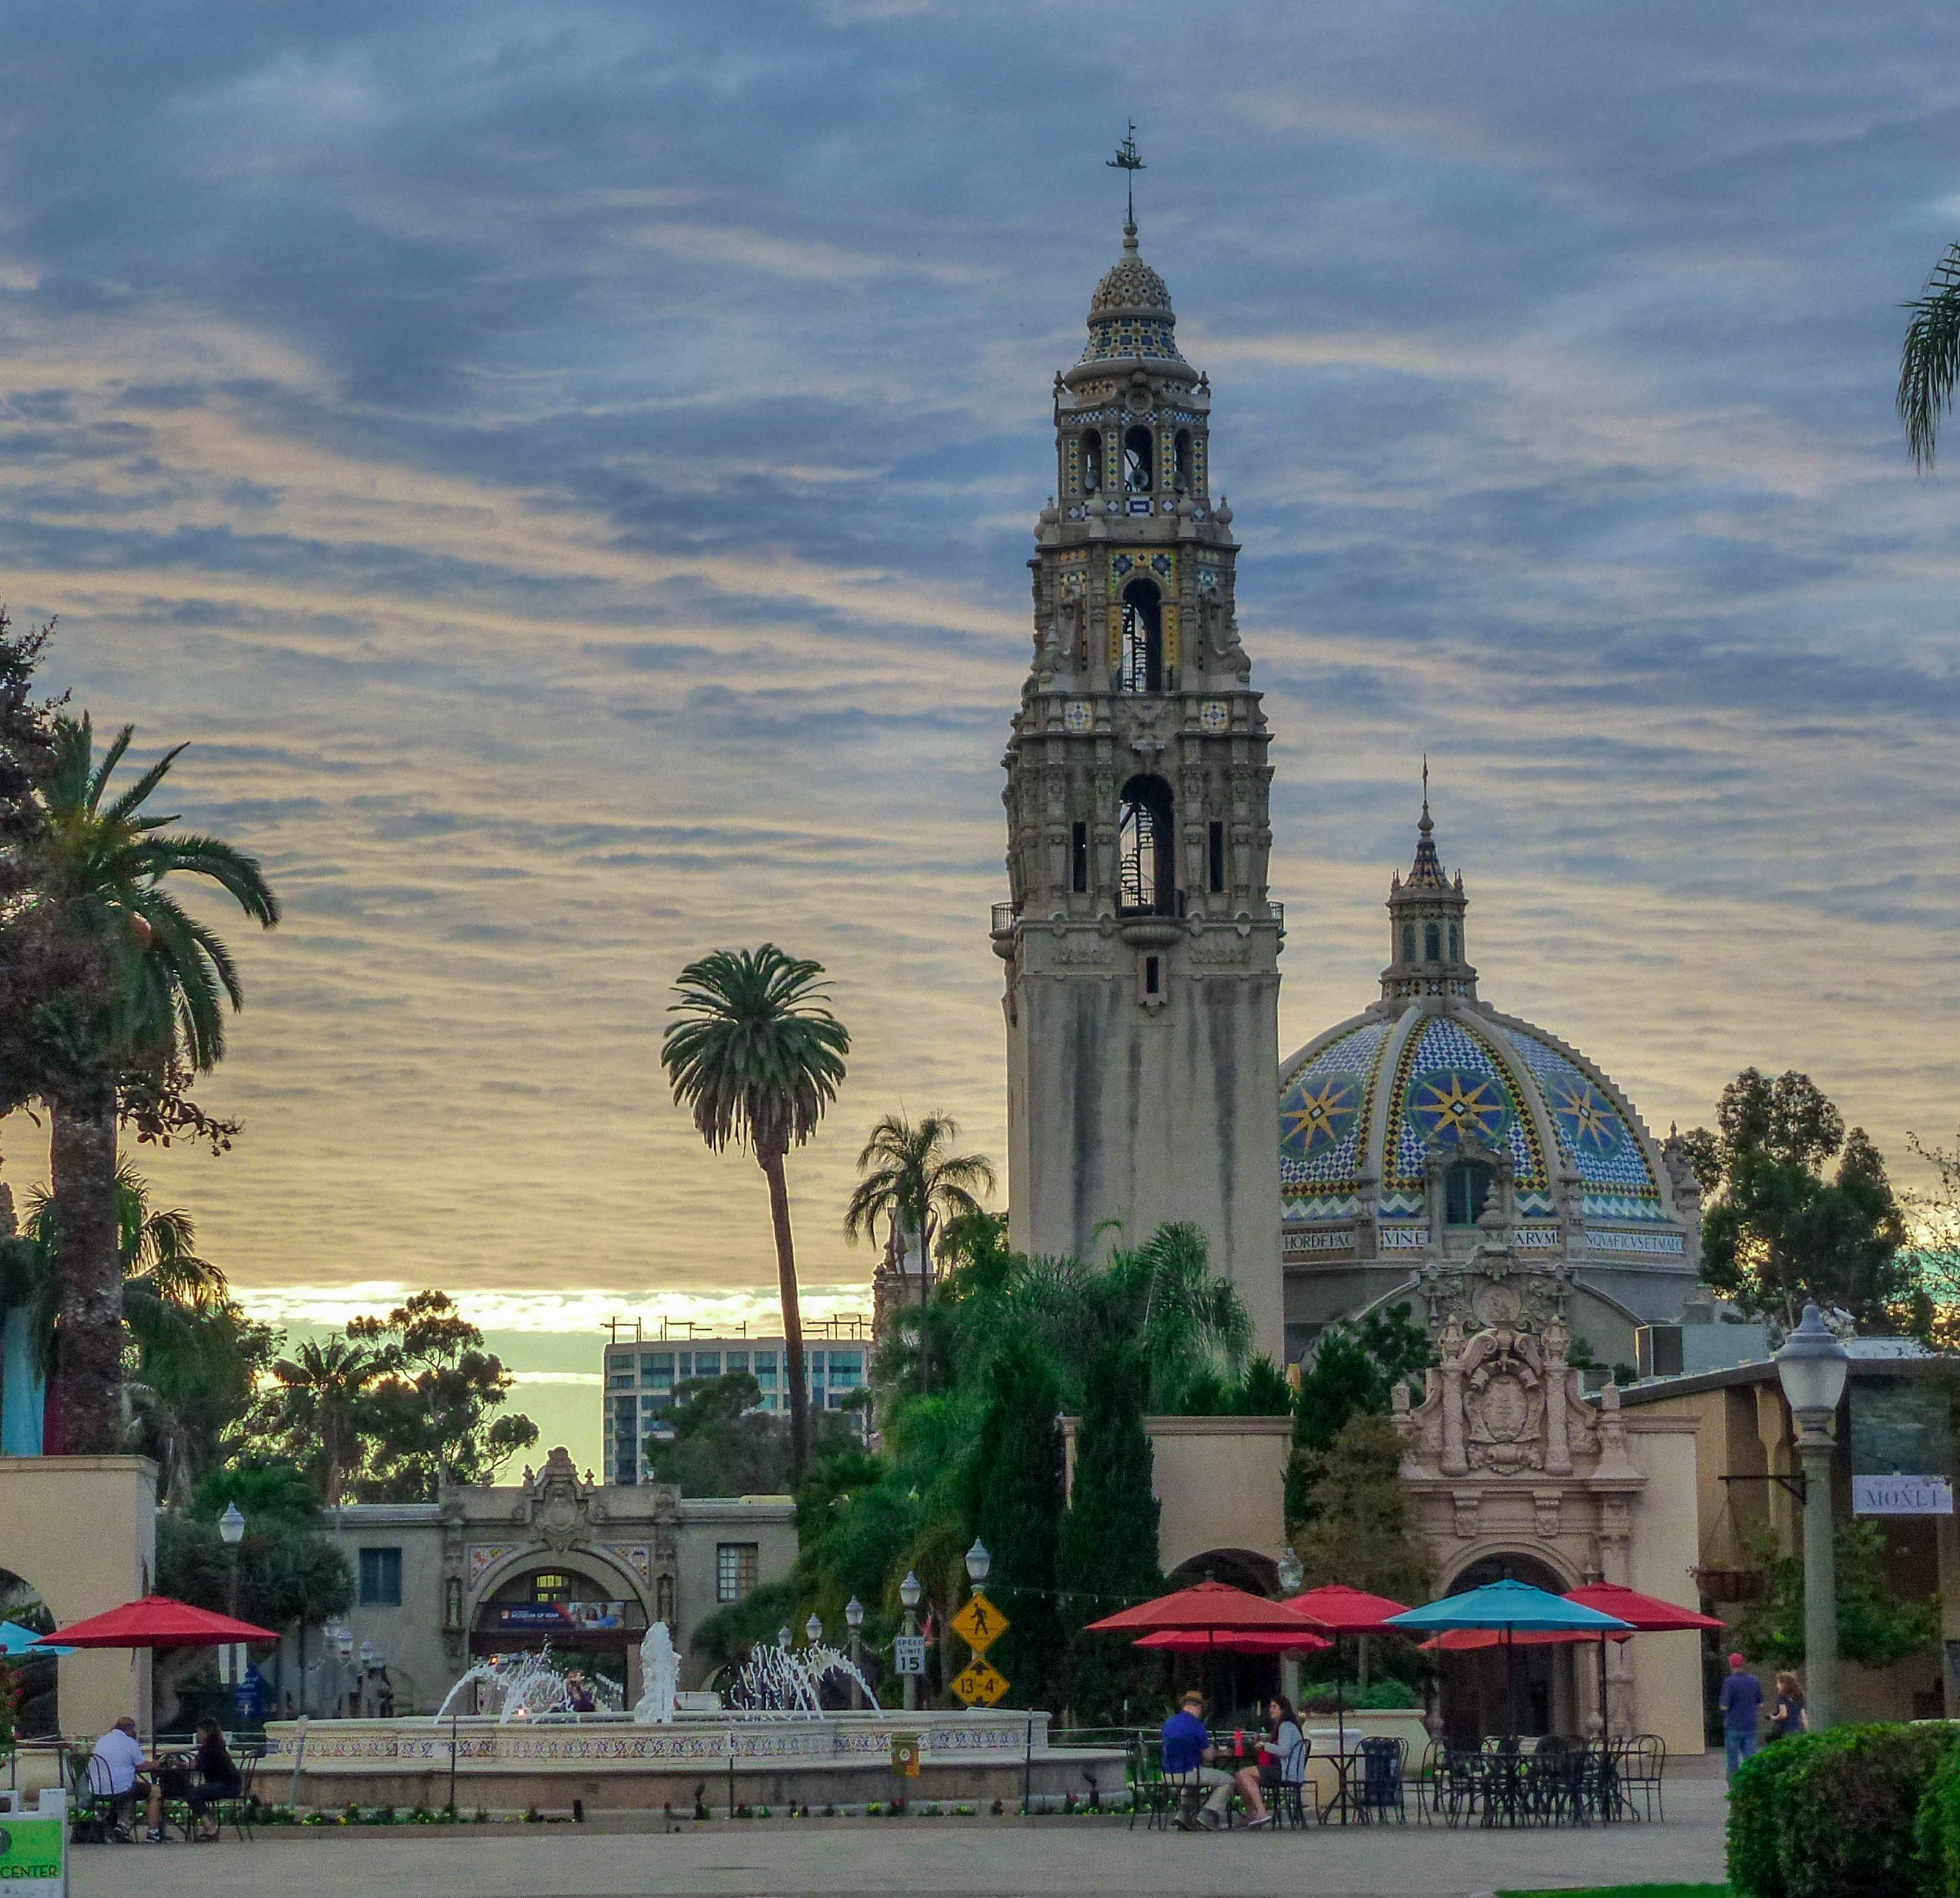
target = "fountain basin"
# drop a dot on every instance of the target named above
(609, 1763)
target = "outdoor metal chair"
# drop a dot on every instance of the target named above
(1642, 1761)
(1286, 1797)
(235, 1809)
(1380, 1790)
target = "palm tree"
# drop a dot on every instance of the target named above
(144, 1001)
(756, 1059)
(913, 1180)
(1929, 362)
(321, 1386)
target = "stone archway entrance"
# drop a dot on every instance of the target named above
(36, 1680)
(1537, 1683)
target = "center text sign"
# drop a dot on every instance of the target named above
(1901, 1496)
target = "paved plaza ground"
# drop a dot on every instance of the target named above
(1079, 1858)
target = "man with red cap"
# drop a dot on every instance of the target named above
(1742, 1710)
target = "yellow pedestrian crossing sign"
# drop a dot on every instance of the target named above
(978, 1684)
(979, 1624)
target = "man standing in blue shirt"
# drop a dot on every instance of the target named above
(1741, 1708)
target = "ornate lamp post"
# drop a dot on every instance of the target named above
(1810, 1367)
(1291, 1576)
(853, 1619)
(343, 1642)
(978, 1562)
(784, 1637)
(812, 1629)
(366, 1673)
(231, 1527)
(909, 1592)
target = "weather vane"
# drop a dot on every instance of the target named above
(1127, 161)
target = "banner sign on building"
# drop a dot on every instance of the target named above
(556, 1617)
(1901, 1447)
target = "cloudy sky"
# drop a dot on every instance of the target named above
(568, 471)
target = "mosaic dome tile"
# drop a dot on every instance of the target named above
(1324, 1108)
(1453, 1085)
(1593, 1133)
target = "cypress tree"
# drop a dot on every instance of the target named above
(1108, 1554)
(1017, 1512)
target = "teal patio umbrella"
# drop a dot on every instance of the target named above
(1511, 1608)
(15, 1639)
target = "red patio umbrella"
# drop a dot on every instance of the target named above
(1345, 1610)
(156, 1622)
(1647, 1613)
(1213, 1606)
(1251, 1642)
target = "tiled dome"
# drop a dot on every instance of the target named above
(1131, 288)
(1129, 316)
(1361, 1105)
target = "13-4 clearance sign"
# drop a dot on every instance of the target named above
(30, 1856)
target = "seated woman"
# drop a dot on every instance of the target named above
(215, 1776)
(1283, 1757)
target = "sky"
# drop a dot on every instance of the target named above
(568, 473)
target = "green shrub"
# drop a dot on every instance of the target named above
(1834, 1815)
(1939, 1829)
(1755, 1865)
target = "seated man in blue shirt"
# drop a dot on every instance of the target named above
(1187, 1754)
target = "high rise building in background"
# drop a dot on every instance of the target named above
(643, 1369)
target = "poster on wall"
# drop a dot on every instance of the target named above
(1901, 1448)
(554, 1617)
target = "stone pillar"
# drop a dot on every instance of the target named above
(1454, 1462)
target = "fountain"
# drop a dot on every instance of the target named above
(505, 1739)
(527, 1686)
(785, 1683)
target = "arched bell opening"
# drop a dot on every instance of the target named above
(1138, 452)
(1140, 657)
(1146, 873)
(1091, 461)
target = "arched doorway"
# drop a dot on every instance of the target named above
(588, 1616)
(1236, 1687)
(1538, 1682)
(36, 1677)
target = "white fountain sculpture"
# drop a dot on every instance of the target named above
(659, 1667)
(784, 1684)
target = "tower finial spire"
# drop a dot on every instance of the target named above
(1425, 826)
(1127, 162)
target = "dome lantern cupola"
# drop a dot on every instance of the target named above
(1428, 948)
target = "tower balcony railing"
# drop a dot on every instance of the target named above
(1003, 918)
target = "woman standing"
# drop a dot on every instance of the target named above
(1790, 1716)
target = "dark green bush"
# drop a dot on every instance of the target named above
(1939, 1832)
(1835, 1814)
(1755, 1864)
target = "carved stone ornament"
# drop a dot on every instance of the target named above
(560, 1508)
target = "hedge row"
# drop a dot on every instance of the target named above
(1858, 1812)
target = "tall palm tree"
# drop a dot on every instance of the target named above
(912, 1180)
(1929, 362)
(320, 1389)
(756, 1059)
(145, 1000)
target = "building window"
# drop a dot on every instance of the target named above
(620, 1380)
(381, 1578)
(735, 1570)
(1408, 942)
(1466, 1191)
(1136, 452)
(1140, 657)
(1217, 859)
(766, 1370)
(707, 1364)
(656, 1371)
(1091, 461)
(1453, 956)
(1432, 942)
(551, 1585)
(1145, 875)
(1078, 858)
(1153, 975)
(1183, 459)
(737, 1361)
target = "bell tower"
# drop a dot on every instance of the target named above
(1142, 952)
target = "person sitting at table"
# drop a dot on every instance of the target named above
(215, 1776)
(123, 1765)
(1187, 1755)
(1283, 1757)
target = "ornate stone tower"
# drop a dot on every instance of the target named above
(1142, 982)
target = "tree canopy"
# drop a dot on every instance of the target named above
(1779, 1230)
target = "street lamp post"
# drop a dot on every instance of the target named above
(343, 1641)
(853, 1619)
(1811, 1368)
(909, 1592)
(366, 1673)
(231, 1529)
(812, 1629)
(1291, 1576)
